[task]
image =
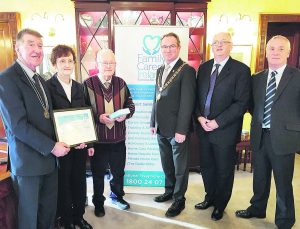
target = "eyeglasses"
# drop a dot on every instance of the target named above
(107, 64)
(220, 43)
(66, 61)
(165, 47)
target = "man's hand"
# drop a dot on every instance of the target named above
(180, 138)
(91, 152)
(121, 118)
(203, 122)
(152, 130)
(60, 149)
(212, 124)
(104, 118)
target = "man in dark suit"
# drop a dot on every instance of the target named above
(275, 134)
(25, 105)
(171, 119)
(223, 94)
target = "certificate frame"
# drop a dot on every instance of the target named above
(74, 126)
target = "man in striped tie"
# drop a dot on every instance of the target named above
(275, 134)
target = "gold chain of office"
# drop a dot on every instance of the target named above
(159, 81)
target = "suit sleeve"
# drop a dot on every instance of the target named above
(240, 100)
(187, 100)
(12, 106)
(197, 112)
(251, 100)
(153, 112)
(129, 102)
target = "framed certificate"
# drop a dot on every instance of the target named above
(74, 126)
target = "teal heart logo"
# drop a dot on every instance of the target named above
(151, 44)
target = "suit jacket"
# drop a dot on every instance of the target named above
(61, 101)
(285, 113)
(172, 113)
(29, 134)
(59, 97)
(229, 101)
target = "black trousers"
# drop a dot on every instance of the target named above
(174, 160)
(72, 185)
(217, 169)
(265, 161)
(37, 196)
(114, 156)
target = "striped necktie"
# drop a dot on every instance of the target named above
(271, 91)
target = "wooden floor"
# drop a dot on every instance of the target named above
(145, 213)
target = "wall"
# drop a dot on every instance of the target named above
(34, 12)
(245, 32)
(239, 17)
(55, 19)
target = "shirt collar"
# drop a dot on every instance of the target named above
(63, 83)
(101, 78)
(28, 71)
(222, 63)
(172, 64)
(278, 70)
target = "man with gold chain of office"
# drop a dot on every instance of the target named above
(171, 118)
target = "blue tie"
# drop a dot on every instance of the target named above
(213, 78)
(271, 90)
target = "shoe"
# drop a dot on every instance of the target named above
(163, 198)
(69, 226)
(57, 224)
(204, 205)
(217, 214)
(176, 208)
(82, 224)
(99, 211)
(246, 214)
(120, 203)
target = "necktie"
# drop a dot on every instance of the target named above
(165, 74)
(39, 87)
(271, 90)
(213, 78)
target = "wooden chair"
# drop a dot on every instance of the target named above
(244, 154)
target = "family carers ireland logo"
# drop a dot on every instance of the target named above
(149, 58)
(151, 44)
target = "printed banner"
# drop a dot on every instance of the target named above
(138, 57)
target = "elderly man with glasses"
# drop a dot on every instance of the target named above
(107, 93)
(222, 98)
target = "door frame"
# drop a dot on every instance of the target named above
(14, 21)
(264, 19)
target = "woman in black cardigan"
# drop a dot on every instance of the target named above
(67, 93)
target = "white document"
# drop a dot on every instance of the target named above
(119, 113)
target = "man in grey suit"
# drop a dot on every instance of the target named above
(25, 108)
(275, 134)
(222, 98)
(171, 119)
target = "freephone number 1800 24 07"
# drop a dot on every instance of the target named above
(143, 182)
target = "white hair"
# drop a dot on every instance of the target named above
(103, 52)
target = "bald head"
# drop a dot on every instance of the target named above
(103, 53)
